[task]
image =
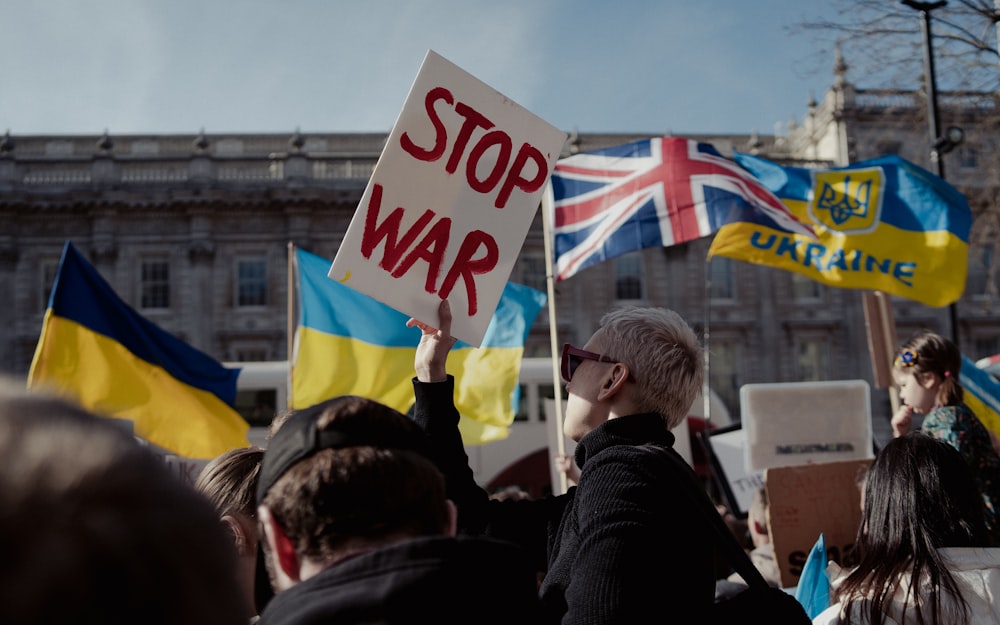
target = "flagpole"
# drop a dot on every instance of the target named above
(706, 389)
(289, 329)
(547, 202)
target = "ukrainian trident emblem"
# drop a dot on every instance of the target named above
(848, 201)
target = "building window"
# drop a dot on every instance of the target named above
(251, 355)
(251, 282)
(533, 271)
(889, 147)
(813, 360)
(968, 157)
(155, 285)
(49, 270)
(805, 288)
(724, 360)
(982, 277)
(721, 281)
(628, 277)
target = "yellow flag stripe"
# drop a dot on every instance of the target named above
(328, 365)
(106, 378)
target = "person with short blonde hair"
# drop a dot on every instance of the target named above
(634, 379)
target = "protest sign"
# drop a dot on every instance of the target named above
(793, 423)
(804, 501)
(450, 200)
(727, 451)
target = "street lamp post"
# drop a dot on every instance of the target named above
(940, 145)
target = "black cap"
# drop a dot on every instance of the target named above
(299, 438)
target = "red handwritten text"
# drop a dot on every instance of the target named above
(400, 253)
(499, 141)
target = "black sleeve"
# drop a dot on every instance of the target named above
(529, 523)
(435, 412)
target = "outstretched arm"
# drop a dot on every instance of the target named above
(435, 412)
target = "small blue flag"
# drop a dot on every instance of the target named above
(813, 591)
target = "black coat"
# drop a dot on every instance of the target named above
(452, 581)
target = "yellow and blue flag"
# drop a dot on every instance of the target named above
(884, 224)
(981, 394)
(98, 351)
(347, 343)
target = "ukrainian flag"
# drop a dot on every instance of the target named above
(883, 224)
(100, 352)
(981, 393)
(347, 343)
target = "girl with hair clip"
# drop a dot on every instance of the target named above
(926, 369)
(923, 544)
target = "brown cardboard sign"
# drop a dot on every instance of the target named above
(806, 500)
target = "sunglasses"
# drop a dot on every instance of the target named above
(573, 357)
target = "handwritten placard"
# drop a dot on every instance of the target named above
(727, 448)
(450, 201)
(806, 501)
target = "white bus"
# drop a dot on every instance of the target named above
(522, 459)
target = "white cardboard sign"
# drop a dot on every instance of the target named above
(450, 201)
(796, 423)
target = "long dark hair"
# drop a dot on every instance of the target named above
(920, 496)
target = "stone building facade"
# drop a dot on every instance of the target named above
(194, 232)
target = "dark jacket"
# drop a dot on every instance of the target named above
(453, 581)
(622, 547)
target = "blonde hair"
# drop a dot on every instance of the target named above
(663, 354)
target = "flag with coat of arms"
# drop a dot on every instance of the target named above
(883, 224)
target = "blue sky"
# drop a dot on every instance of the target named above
(233, 66)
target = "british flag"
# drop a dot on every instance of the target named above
(652, 193)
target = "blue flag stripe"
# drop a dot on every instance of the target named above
(366, 319)
(80, 294)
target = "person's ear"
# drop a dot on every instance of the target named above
(614, 382)
(279, 544)
(929, 381)
(241, 535)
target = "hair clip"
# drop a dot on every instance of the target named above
(906, 358)
(947, 374)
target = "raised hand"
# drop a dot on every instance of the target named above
(431, 357)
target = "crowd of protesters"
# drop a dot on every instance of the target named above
(354, 513)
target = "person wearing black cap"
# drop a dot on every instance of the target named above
(357, 529)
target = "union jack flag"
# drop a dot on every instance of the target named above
(652, 193)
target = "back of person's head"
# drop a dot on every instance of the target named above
(230, 481)
(95, 529)
(920, 496)
(348, 474)
(663, 354)
(927, 353)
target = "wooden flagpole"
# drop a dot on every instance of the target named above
(290, 323)
(547, 208)
(881, 330)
